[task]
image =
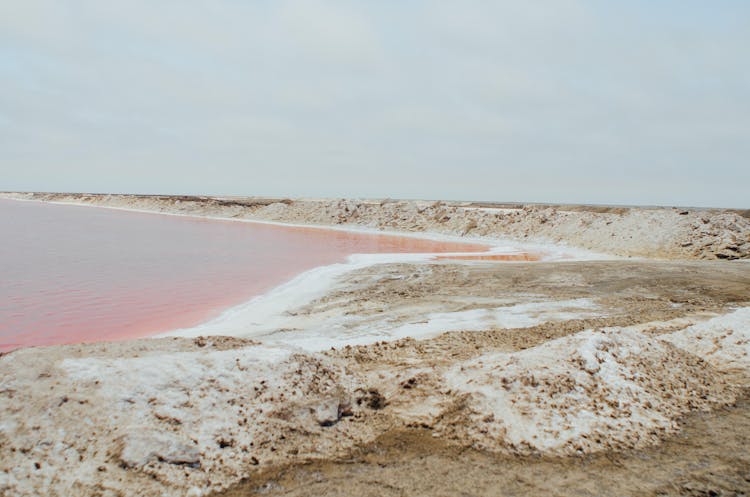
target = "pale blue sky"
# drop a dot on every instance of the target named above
(639, 102)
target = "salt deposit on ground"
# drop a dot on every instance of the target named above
(592, 391)
(197, 416)
(512, 316)
(337, 328)
(724, 341)
(196, 419)
(342, 330)
(271, 312)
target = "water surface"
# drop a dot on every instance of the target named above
(73, 274)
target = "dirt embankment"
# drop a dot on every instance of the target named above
(666, 233)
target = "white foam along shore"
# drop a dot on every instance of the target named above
(267, 313)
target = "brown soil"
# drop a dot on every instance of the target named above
(709, 457)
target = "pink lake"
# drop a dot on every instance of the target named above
(72, 274)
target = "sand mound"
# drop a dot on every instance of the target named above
(592, 391)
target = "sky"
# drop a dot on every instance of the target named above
(606, 102)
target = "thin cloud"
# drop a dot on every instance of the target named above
(569, 101)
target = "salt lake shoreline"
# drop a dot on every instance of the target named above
(558, 360)
(652, 232)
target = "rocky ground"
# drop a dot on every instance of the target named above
(624, 377)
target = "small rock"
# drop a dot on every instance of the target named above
(141, 446)
(327, 413)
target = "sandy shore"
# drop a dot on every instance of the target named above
(620, 377)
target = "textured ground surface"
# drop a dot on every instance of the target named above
(194, 416)
(709, 457)
(625, 377)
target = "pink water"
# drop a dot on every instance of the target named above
(73, 274)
